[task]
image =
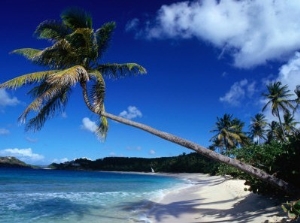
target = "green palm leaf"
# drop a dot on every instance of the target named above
(59, 56)
(68, 77)
(76, 18)
(26, 79)
(54, 99)
(82, 42)
(97, 91)
(102, 128)
(28, 53)
(52, 30)
(103, 37)
(120, 70)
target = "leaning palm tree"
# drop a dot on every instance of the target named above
(279, 100)
(257, 127)
(74, 58)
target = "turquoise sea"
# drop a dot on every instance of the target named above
(57, 196)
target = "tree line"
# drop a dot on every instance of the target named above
(185, 163)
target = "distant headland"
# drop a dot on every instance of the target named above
(10, 161)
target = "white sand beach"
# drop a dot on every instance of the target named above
(215, 199)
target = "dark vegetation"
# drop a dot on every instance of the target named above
(188, 163)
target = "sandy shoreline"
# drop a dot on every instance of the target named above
(215, 199)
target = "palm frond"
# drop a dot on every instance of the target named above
(68, 77)
(102, 129)
(46, 105)
(28, 53)
(52, 30)
(103, 37)
(82, 42)
(97, 91)
(59, 56)
(76, 18)
(121, 70)
(44, 95)
(39, 90)
(26, 79)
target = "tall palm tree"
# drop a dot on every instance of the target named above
(257, 127)
(290, 125)
(74, 58)
(274, 132)
(229, 133)
(279, 100)
(297, 100)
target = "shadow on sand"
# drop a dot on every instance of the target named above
(242, 211)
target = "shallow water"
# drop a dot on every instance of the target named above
(79, 196)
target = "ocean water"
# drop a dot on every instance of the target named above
(58, 196)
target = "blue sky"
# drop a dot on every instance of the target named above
(203, 58)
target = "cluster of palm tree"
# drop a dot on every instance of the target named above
(75, 58)
(229, 130)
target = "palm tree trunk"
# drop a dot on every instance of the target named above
(258, 173)
(281, 126)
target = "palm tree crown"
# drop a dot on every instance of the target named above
(278, 99)
(229, 133)
(257, 127)
(74, 57)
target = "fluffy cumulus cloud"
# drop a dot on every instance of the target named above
(131, 113)
(26, 155)
(252, 32)
(7, 100)
(289, 73)
(239, 91)
(89, 125)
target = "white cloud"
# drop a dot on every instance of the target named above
(89, 125)
(32, 140)
(132, 25)
(252, 32)
(7, 100)
(138, 148)
(238, 91)
(63, 160)
(4, 131)
(289, 73)
(112, 154)
(131, 113)
(25, 155)
(152, 152)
